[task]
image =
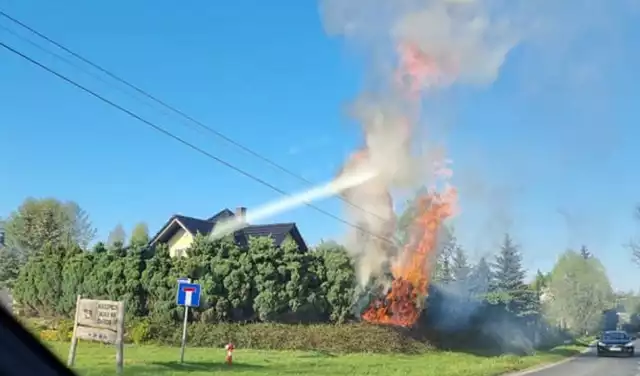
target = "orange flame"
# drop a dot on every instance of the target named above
(419, 70)
(411, 272)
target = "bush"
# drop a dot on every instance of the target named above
(64, 329)
(140, 332)
(48, 335)
(346, 338)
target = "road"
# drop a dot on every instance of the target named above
(588, 364)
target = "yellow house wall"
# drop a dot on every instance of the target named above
(179, 242)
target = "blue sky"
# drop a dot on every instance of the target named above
(556, 133)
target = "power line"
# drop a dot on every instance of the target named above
(179, 139)
(158, 101)
(75, 65)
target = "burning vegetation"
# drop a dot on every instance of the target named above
(412, 265)
(411, 272)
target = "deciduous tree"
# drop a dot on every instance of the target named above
(140, 234)
(40, 222)
(581, 291)
(81, 229)
(117, 236)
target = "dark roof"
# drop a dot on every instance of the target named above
(223, 214)
(195, 225)
(278, 231)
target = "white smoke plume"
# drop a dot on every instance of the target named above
(468, 40)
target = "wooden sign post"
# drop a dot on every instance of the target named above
(102, 321)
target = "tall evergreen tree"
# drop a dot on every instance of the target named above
(160, 287)
(460, 265)
(9, 267)
(443, 272)
(508, 274)
(133, 268)
(2, 234)
(77, 267)
(584, 252)
(335, 268)
(96, 283)
(480, 279)
(444, 258)
(508, 279)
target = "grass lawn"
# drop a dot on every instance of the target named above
(98, 360)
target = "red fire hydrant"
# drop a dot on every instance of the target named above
(229, 358)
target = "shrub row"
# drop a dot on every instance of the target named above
(346, 338)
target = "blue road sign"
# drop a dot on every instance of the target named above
(188, 294)
(184, 279)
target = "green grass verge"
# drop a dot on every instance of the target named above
(99, 360)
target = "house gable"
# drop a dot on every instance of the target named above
(297, 237)
(166, 232)
(179, 242)
(193, 226)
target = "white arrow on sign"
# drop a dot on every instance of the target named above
(188, 295)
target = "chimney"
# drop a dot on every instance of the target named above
(241, 214)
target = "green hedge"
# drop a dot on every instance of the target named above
(346, 338)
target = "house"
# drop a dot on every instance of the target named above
(179, 231)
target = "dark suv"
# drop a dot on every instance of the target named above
(615, 342)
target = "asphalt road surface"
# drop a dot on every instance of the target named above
(589, 364)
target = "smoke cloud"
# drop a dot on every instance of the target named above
(412, 49)
(468, 40)
(415, 49)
